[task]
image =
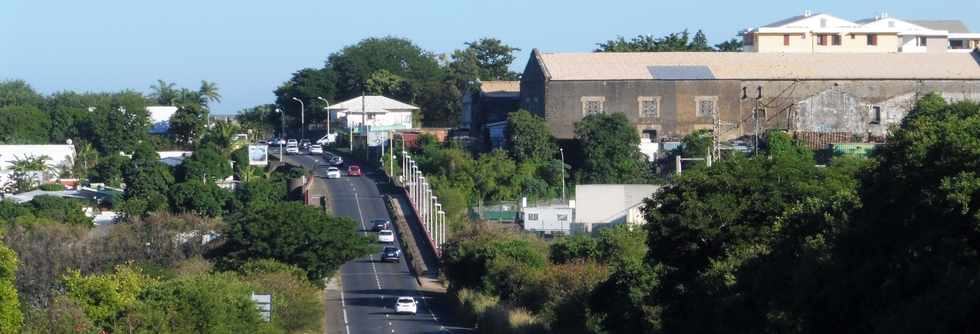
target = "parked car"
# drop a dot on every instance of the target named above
(380, 224)
(333, 173)
(391, 254)
(292, 149)
(386, 236)
(406, 305)
(354, 170)
(292, 141)
(316, 149)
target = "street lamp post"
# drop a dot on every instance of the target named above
(282, 132)
(562, 151)
(302, 118)
(435, 225)
(327, 108)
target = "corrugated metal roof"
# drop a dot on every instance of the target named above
(952, 26)
(373, 103)
(764, 66)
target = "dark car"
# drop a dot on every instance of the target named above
(354, 170)
(380, 224)
(391, 254)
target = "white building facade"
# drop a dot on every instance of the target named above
(379, 113)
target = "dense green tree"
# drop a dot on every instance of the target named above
(104, 297)
(355, 64)
(261, 192)
(298, 304)
(11, 317)
(732, 45)
(121, 125)
(479, 258)
(188, 124)
(199, 197)
(206, 163)
(908, 261)
(306, 84)
(109, 170)
(383, 82)
(19, 93)
(70, 117)
(528, 137)
(24, 125)
(62, 210)
(260, 121)
(484, 59)
(610, 150)
(148, 182)
(215, 303)
(292, 233)
(164, 93)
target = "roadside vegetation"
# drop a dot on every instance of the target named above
(767, 243)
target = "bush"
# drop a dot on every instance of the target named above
(52, 187)
(298, 304)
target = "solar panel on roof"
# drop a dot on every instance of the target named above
(681, 72)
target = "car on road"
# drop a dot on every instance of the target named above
(406, 305)
(380, 224)
(304, 144)
(333, 159)
(292, 149)
(386, 236)
(333, 173)
(354, 170)
(292, 141)
(316, 149)
(391, 254)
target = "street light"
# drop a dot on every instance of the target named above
(282, 132)
(562, 151)
(327, 108)
(302, 118)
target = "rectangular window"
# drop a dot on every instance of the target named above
(592, 105)
(532, 217)
(821, 39)
(835, 40)
(650, 134)
(956, 44)
(786, 40)
(875, 114)
(872, 39)
(706, 106)
(923, 41)
(563, 218)
(649, 106)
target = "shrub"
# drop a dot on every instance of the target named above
(52, 187)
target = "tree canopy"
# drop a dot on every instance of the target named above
(610, 150)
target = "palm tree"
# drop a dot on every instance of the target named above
(164, 92)
(209, 92)
(86, 157)
(30, 171)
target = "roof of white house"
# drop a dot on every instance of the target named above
(953, 26)
(758, 66)
(879, 24)
(601, 203)
(160, 118)
(59, 154)
(373, 104)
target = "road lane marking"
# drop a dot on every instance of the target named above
(345, 317)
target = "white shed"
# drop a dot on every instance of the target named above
(599, 205)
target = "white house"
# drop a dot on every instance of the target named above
(160, 118)
(382, 113)
(60, 157)
(601, 205)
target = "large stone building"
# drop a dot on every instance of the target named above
(669, 94)
(823, 33)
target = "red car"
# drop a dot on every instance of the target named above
(354, 170)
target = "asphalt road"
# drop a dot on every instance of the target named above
(370, 287)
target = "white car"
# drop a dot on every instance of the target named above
(333, 173)
(406, 305)
(292, 149)
(316, 149)
(386, 236)
(292, 142)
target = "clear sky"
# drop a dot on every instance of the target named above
(250, 46)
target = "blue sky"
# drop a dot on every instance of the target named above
(249, 47)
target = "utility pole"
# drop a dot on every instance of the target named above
(364, 124)
(327, 109)
(562, 151)
(302, 118)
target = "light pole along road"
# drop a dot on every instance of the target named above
(369, 287)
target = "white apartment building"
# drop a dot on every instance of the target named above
(824, 33)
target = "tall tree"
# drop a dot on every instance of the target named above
(293, 233)
(732, 45)
(528, 137)
(188, 124)
(673, 42)
(209, 92)
(306, 84)
(23, 125)
(610, 150)
(488, 57)
(164, 93)
(19, 93)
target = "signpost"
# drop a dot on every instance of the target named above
(258, 155)
(264, 303)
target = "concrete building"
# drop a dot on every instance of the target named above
(485, 111)
(670, 94)
(824, 33)
(602, 205)
(380, 115)
(548, 219)
(160, 118)
(60, 157)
